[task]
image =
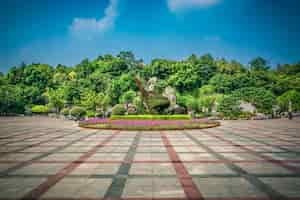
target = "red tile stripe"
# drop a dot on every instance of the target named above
(185, 179)
(52, 180)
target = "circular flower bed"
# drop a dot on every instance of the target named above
(123, 124)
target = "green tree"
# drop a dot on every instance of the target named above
(59, 78)
(229, 106)
(55, 99)
(262, 99)
(90, 100)
(84, 68)
(38, 75)
(223, 66)
(3, 80)
(16, 75)
(206, 90)
(222, 83)
(32, 95)
(99, 81)
(292, 96)
(115, 67)
(225, 83)
(259, 64)
(185, 78)
(11, 100)
(289, 69)
(161, 68)
(71, 92)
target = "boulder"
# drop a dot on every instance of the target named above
(247, 107)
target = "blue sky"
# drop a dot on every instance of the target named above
(64, 31)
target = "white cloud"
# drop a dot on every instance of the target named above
(177, 5)
(94, 25)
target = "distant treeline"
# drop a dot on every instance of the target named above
(201, 83)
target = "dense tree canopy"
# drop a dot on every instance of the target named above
(200, 83)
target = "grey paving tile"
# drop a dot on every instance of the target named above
(79, 188)
(285, 185)
(227, 188)
(39, 169)
(208, 169)
(17, 187)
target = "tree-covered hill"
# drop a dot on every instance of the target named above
(200, 82)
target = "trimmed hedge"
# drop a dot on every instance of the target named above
(152, 117)
(109, 126)
(40, 109)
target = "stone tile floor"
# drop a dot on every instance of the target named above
(44, 158)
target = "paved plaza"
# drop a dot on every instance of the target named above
(44, 158)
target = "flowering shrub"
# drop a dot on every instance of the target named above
(151, 117)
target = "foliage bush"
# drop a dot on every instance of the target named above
(187, 101)
(158, 104)
(40, 109)
(152, 117)
(65, 111)
(77, 112)
(246, 115)
(118, 109)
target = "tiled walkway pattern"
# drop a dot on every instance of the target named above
(43, 158)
